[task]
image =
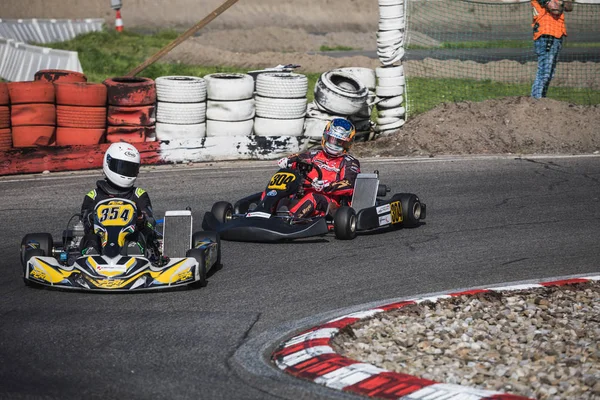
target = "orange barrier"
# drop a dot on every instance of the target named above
(59, 75)
(79, 136)
(69, 158)
(4, 117)
(33, 114)
(80, 94)
(131, 116)
(5, 139)
(32, 136)
(31, 92)
(130, 91)
(129, 134)
(4, 99)
(81, 117)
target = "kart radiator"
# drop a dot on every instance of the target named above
(365, 191)
(177, 233)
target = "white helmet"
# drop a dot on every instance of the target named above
(121, 164)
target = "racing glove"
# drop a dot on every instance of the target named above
(284, 162)
(319, 185)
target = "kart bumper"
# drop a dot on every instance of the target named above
(46, 271)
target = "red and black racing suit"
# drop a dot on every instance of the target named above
(340, 174)
(105, 190)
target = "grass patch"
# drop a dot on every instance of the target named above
(427, 93)
(336, 48)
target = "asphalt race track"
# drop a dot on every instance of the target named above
(490, 220)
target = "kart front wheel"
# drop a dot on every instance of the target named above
(198, 254)
(213, 236)
(223, 211)
(29, 254)
(344, 223)
(35, 241)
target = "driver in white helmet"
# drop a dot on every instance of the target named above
(338, 168)
(121, 166)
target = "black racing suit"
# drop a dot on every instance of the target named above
(144, 235)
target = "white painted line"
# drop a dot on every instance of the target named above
(324, 333)
(303, 355)
(348, 376)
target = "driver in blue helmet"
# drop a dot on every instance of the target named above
(338, 167)
(120, 166)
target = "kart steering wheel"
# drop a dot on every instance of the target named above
(305, 167)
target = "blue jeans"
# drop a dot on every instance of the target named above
(546, 49)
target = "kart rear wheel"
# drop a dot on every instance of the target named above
(223, 211)
(41, 241)
(199, 256)
(344, 223)
(411, 209)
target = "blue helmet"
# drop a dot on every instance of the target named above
(338, 137)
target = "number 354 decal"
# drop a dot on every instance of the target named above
(115, 214)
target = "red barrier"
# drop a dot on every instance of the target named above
(33, 160)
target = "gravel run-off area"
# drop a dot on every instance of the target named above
(541, 343)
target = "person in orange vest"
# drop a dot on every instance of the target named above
(548, 31)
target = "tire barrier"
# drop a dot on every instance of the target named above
(390, 36)
(33, 136)
(66, 136)
(5, 131)
(391, 115)
(32, 113)
(226, 92)
(390, 77)
(5, 139)
(342, 92)
(180, 108)
(131, 115)
(59, 76)
(281, 104)
(191, 119)
(362, 119)
(80, 111)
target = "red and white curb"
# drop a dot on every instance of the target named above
(310, 356)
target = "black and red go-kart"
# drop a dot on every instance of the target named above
(254, 220)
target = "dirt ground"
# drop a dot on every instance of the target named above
(263, 33)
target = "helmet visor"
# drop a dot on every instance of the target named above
(122, 167)
(337, 143)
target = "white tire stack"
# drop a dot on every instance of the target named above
(390, 36)
(180, 108)
(230, 107)
(391, 114)
(280, 104)
(337, 94)
(362, 119)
